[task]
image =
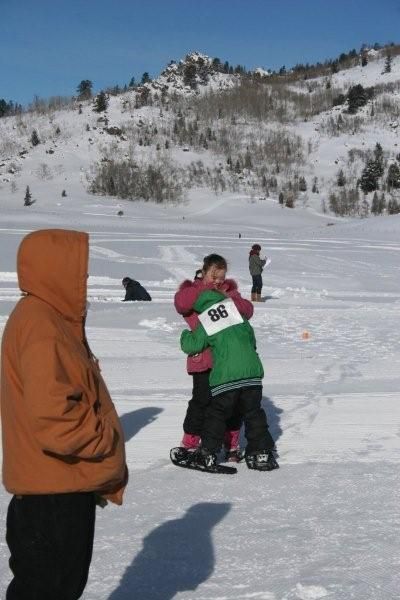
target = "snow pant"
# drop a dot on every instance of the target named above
(194, 420)
(257, 284)
(50, 538)
(247, 402)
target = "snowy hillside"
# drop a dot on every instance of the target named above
(253, 134)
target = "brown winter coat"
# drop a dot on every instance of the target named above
(60, 429)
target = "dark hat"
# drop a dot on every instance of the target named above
(256, 247)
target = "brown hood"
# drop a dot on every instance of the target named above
(52, 264)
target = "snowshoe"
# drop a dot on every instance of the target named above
(199, 460)
(262, 461)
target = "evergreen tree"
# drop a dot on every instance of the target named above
(364, 59)
(132, 83)
(302, 184)
(334, 67)
(247, 161)
(101, 102)
(341, 179)
(388, 64)
(357, 97)
(84, 89)
(369, 178)
(189, 75)
(35, 141)
(378, 155)
(393, 178)
(28, 197)
(145, 78)
(216, 64)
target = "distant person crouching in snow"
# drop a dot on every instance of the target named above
(256, 266)
(134, 291)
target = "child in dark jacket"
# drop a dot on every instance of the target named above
(235, 380)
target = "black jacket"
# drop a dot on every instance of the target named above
(135, 291)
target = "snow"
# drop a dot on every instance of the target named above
(325, 524)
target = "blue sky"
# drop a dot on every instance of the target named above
(48, 46)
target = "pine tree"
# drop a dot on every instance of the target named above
(364, 59)
(369, 178)
(357, 97)
(302, 184)
(132, 83)
(247, 161)
(28, 197)
(388, 64)
(189, 75)
(378, 155)
(145, 78)
(101, 102)
(341, 179)
(84, 89)
(333, 203)
(393, 178)
(35, 138)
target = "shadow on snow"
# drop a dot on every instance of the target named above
(176, 556)
(134, 421)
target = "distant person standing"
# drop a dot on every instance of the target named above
(134, 291)
(256, 266)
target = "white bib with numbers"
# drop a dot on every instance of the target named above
(220, 316)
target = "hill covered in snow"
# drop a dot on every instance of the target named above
(324, 138)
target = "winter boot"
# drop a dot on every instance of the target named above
(190, 441)
(262, 461)
(204, 458)
(258, 298)
(235, 455)
(253, 297)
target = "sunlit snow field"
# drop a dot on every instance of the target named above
(326, 524)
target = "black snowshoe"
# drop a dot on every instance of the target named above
(262, 461)
(199, 460)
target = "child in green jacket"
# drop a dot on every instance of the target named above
(235, 380)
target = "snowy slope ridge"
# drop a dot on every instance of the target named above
(201, 127)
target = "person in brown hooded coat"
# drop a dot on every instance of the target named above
(63, 445)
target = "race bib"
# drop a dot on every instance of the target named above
(220, 316)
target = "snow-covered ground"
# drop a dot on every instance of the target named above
(325, 524)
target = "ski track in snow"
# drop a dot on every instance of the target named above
(325, 524)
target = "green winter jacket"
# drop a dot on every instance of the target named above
(231, 339)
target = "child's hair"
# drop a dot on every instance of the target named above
(199, 274)
(214, 260)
